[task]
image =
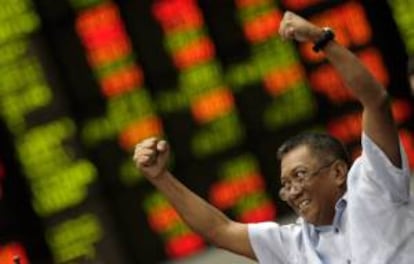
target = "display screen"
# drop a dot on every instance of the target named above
(83, 81)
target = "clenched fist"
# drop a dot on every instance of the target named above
(151, 157)
(295, 27)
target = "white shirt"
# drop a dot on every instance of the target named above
(374, 220)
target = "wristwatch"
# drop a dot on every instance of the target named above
(327, 35)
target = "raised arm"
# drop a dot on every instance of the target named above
(151, 156)
(377, 120)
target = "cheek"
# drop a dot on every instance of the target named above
(324, 199)
(321, 193)
(318, 199)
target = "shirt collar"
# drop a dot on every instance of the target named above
(339, 210)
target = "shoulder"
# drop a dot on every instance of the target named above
(374, 175)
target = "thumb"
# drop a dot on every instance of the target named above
(163, 150)
(162, 146)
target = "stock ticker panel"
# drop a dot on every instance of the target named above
(83, 81)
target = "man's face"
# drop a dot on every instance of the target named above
(309, 185)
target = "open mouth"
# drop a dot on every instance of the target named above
(303, 205)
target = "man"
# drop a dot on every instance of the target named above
(348, 214)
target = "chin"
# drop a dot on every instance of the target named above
(310, 217)
(309, 220)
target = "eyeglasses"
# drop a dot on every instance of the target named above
(298, 178)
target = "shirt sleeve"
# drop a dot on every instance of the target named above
(273, 243)
(374, 174)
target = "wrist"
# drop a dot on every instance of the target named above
(160, 177)
(317, 34)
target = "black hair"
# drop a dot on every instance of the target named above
(322, 144)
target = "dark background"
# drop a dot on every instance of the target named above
(111, 221)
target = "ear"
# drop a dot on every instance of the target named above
(340, 170)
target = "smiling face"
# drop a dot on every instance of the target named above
(314, 200)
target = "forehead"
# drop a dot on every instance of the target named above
(299, 156)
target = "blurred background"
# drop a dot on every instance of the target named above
(82, 81)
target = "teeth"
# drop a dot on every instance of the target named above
(303, 204)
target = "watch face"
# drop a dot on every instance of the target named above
(327, 36)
